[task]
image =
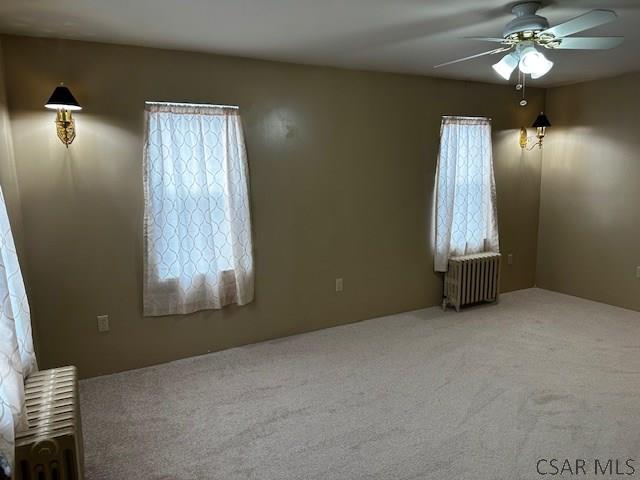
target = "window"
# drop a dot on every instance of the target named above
(198, 249)
(466, 217)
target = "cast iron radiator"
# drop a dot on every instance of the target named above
(51, 448)
(472, 279)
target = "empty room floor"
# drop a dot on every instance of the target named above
(481, 394)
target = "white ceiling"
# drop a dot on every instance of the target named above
(404, 36)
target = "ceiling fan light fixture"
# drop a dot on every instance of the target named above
(533, 62)
(530, 58)
(506, 66)
(544, 68)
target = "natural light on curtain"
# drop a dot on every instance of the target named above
(466, 214)
(198, 248)
(17, 359)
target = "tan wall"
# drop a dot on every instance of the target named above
(8, 176)
(590, 209)
(342, 166)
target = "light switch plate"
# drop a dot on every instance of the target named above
(103, 323)
(338, 284)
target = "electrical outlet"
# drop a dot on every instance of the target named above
(510, 259)
(638, 272)
(103, 323)
(338, 284)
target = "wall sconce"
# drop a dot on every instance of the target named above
(541, 124)
(64, 102)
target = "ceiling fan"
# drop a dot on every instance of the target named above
(526, 35)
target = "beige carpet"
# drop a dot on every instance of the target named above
(478, 395)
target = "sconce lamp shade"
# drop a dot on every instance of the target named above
(62, 99)
(541, 121)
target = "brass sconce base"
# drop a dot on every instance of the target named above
(523, 137)
(65, 127)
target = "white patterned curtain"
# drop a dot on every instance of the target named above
(17, 358)
(466, 212)
(197, 224)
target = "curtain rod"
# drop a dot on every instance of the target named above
(462, 116)
(185, 104)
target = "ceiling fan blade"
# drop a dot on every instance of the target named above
(490, 52)
(487, 39)
(589, 43)
(587, 21)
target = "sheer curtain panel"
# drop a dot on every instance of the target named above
(466, 213)
(17, 358)
(198, 250)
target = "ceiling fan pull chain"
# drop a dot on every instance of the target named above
(523, 102)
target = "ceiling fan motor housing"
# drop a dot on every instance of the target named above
(526, 19)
